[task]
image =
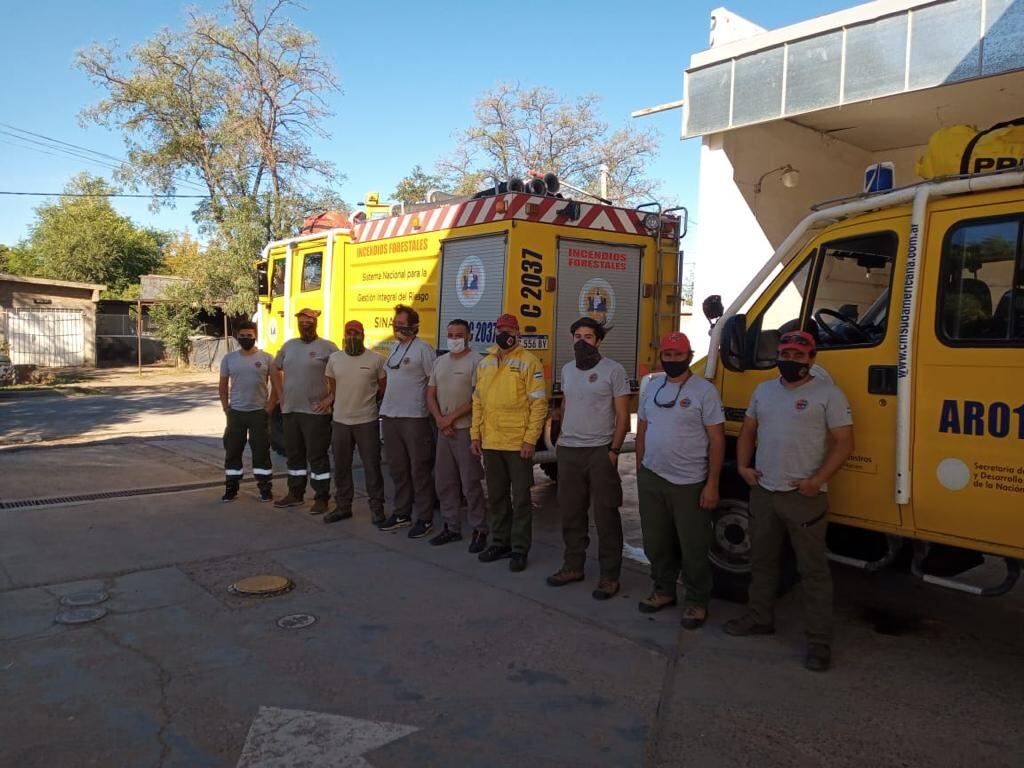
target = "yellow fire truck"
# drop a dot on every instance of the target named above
(917, 297)
(546, 259)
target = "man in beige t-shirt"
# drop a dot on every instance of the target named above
(457, 472)
(355, 382)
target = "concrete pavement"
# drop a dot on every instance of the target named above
(468, 663)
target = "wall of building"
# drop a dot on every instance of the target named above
(15, 295)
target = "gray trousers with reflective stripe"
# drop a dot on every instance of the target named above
(252, 427)
(307, 438)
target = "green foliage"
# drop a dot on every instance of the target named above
(175, 320)
(81, 237)
(519, 129)
(414, 187)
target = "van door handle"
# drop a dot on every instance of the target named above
(882, 380)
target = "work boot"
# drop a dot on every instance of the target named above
(517, 562)
(229, 495)
(818, 658)
(655, 602)
(745, 625)
(265, 495)
(564, 576)
(319, 507)
(337, 514)
(693, 617)
(606, 589)
(479, 543)
(494, 552)
(289, 500)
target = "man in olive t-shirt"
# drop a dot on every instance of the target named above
(299, 368)
(356, 380)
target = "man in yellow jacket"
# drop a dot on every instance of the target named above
(509, 408)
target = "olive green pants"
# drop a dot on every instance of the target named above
(677, 535)
(252, 427)
(587, 479)
(509, 479)
(774, 515)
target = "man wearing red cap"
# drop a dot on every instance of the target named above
(299, 371)
(355, 383)
(509, 408)
(680, 446)
(793, 418)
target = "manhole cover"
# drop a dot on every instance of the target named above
(296, 621)
(261, 586)
(84, 598)
(81, 615)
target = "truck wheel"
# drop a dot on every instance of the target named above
(731, 546)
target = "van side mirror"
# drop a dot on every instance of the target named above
(732, 348)
(713, 308)
(766, 350)
(263, 287)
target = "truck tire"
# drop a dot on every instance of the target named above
(731, 545)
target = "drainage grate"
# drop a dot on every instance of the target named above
(100, 495)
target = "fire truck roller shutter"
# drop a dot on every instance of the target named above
(472, 286)
(601, 281)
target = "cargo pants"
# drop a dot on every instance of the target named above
(307, 438)
(587, 478)
(774, 514)
(677, 534)
(242, 427)
(345, 438)
(509, 479)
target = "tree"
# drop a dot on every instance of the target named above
(519, 129)
(81, 237)
(414, 187)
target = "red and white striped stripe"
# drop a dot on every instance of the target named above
(518, 206)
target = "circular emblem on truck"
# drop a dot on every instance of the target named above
(469, 281)
(953, 474)
(597, 300)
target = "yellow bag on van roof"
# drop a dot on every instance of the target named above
(962, 149)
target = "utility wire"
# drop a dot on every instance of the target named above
(97, 194)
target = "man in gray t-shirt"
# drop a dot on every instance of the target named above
(306, 406)
(405, 424)
(458, 474)
(595, 419)
(680, 447)
(804, 432)
(243, 389)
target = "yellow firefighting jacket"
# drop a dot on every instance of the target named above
(509, 401)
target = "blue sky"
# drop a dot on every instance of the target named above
(409, 75)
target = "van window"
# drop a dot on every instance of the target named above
(981, 290)
(277, 278)
(312, 266)
(851, 290)
(783, 313)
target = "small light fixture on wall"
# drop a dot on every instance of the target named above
(790, 177)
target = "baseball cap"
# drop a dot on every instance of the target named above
(508, 321)
(797, 340)
(354, 325)
(676, 341)
(307, 312)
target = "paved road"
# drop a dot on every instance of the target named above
(421, 656)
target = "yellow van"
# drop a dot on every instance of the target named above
(916, 296)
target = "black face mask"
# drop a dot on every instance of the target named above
(793, 370)
(407, 330)
(505, 340)
(354, 347)
(246, 343)
(587, 355)
(674, 368)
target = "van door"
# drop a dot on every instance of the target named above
(307, 288)
(968, 450)
(473, 286)
(273, 336)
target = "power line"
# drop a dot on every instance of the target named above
(97, 194)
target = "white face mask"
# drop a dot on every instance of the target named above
(456, 345)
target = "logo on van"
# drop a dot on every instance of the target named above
(597, 300)
(469, 281)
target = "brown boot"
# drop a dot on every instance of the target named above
(655, 602)
(564, 576)
(606, 589)
(289, 500)
(319, 507)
